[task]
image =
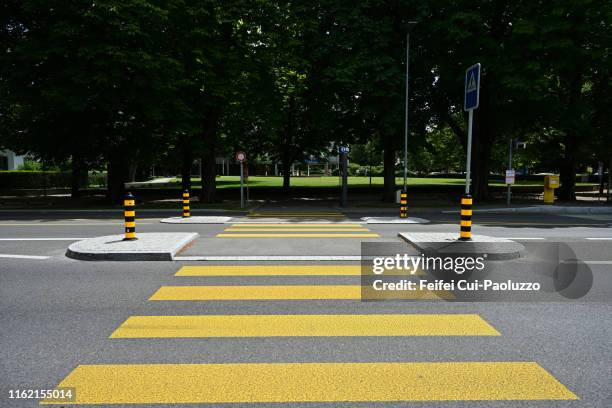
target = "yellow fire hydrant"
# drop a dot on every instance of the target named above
(550, 184)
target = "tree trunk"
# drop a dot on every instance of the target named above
(76, 176)
(286, 166)
(567, 190)
(481, 167)
(209, 173)
(116, 177)
(389, 169)
(186, 168)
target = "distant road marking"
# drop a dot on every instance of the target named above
(312, 382)
(281, 270)
(55, 224)
(291, 229)
(259, 258)
(270, 270)
(137, 327)
(597, 262)
(559, 224)
(600, 239)
(41, 239)
(295, 215)
(524, 238)
(23, 256)
(280, 235)
(295, 225)
(287, 292)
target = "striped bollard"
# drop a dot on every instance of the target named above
(403, 204)
(466, 218)
(186, 213)
(130, 217)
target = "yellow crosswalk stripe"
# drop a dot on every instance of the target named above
(312, 382)
(292, 235)
(289, 292)
(304, 326)
(293, 216)
(296, 225)
(295, 229)
(281, 270)
(296, 213)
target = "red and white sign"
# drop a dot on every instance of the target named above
(240, 156)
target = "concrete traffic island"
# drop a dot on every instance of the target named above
(196, 220)
(151, 246)
(394, 220)
(442, 244)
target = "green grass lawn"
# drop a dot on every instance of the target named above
(334, 181)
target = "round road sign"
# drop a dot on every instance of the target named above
(240, 156)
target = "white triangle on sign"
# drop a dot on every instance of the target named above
(471, 83)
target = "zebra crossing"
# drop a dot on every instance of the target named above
(294, 230)
(304, 381)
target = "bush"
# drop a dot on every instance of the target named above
(33, 179)
(30, 165)
(16, 179)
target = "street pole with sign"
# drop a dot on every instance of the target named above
(508, 172)
(241, 157)
(471, 101)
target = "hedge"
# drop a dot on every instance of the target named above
(10, 180)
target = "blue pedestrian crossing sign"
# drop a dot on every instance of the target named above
(472, 87)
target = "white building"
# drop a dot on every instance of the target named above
(9, 160)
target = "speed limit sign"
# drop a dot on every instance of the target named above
(240, 156)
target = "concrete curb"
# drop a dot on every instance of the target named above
(196, 220)
(551, 209)
(436, 243)
(394, 220)
(149, 247)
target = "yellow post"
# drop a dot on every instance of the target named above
(466, 218)
(130, 217)
(186, 213)
(551, 182)
(403, 204)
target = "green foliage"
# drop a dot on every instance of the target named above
(138, 82)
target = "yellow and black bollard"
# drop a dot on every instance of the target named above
(186, 213)
(403, 204)
(466, 218)
(130, 217)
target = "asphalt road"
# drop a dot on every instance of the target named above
(60, 317)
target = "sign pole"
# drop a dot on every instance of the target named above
(468, 162)
(241, 185)
(241, 158)
(471, 101)
(510, 168)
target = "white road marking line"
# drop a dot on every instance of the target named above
(41, 239)
(270, 258)
(524, 238)
(52, 224)
(600, 239)
(24, 256)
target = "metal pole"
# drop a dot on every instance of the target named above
(510, 168)
(469, 153)
(344, 193)
(406, 114)
(241, 185)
